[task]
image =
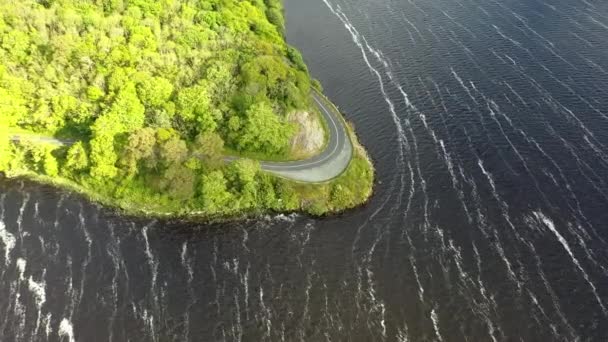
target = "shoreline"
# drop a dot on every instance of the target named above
(139, 210)
(161, 173)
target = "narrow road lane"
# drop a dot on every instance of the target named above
(328, 164)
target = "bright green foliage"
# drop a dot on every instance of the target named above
(103, 157)
(194, 105)
(6, 152)
(241, 177)
(127, 111)
(274, 13)
(40, 158)
(353, 185)
(154, 92)
(49, 164)
(214, 192)
(151, 91)
(77, 159)
(264, 131)
(296, 58)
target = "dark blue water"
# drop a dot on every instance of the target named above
(488, 124)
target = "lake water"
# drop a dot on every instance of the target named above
(488, 123)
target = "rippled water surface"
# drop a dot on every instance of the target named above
(488, 124)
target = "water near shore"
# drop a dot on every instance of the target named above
(488, 123)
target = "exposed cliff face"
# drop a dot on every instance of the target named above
(310, 136)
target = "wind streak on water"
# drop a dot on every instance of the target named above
(551, 226)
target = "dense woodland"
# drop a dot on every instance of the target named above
(151, 93)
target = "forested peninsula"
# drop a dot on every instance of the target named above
(165, 107)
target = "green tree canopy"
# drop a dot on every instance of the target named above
(77, 159)
(209, 147)
(214, 192)
(264, 131)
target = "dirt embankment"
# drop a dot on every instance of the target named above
(310, 135)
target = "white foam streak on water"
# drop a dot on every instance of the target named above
(513, 41)
(466, 89)
(21, 264)
(497, 56)
(359, 40)
(435, 320)
(491, 105)
(449, 165)
(563, 109)
(417, 277)
(527, 26)
(599, 23)
(505, 213)
(38, 290)
(153, 264)
(26, 199)
(408, 103)
(483, 225)
(551, 292)
(245, 283)
(588, 43)
(413, 3)
(595, 65)
(405, 19)
(377, 306)
(265, 313)
(402, 334)
(186, 263)
(542, 311)
(530, 140)
(149, 324)
(89, 242)
(20, 317)
(580, 163)
(237, 327)
(482, 122)
(212, 266)
(491, 304)
(504, 206)
(425, 195)
(47, 325)
(113, 248)
(66, 330)
(600, 153)
(70, 293)
(8, 240)
(549, 224)
(455, 183)
(569, 88)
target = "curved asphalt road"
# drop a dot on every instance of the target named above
(328, 164)
(325, 166)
